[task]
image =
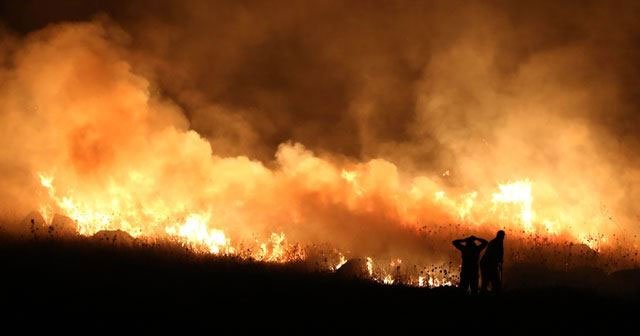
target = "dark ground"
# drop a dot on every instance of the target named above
(60, 285)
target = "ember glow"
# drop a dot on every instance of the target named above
(94, 131)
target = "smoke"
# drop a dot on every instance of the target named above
(327, 121)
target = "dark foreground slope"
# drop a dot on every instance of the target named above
(58, 284)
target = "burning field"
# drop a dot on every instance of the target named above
(309, 135)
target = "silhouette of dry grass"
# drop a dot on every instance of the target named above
(91, 281)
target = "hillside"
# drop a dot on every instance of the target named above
(80, 281)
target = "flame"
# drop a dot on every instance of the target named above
(435, 282)
(519, 193)
(370, 266)
(341, 261)
(276, 252)
(351, 178)
(46, 181)
(195, 230)
(116, 208)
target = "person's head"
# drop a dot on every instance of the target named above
(500, 235)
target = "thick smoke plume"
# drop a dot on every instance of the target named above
(347, 123)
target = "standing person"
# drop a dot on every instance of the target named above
(470, 256)
(491, 264)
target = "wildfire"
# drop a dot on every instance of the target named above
(512, 203)
(121, 158)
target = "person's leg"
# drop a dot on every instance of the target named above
(473, 282)
(464, 281)
(485, 279)
(496, 284)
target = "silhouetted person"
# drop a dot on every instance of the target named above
(470, 256)
(491, 264)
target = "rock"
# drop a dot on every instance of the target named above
(583, 250)
(63, 226)
(354, 268)
(114, 237)
(33, 225)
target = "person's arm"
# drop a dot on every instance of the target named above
(458, 244)
(483, 243)
(500, 254)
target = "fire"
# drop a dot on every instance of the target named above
(119, 157)
(276, 252)
(517, 193)
(117, 208)
(45, 210)
(46, 181)
(435, 282)
(341, 261)
(351, 178)
(195, 230)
